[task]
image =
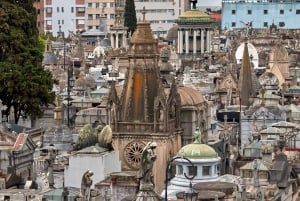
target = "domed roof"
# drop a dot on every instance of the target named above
(195, 15)
(197, 150)
(49, 58)
(172, 33)
(190, 96)
(105, 42)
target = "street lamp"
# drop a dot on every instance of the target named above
(188, 196)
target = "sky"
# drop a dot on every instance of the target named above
(209, 2)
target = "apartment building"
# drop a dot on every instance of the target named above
(161, 13)
(74, 15)
(284, 14)
(67, 14)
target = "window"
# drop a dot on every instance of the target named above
(297, 12)
(90, 17)
(62, 9)
(249, 12)
(57, 9)
(265, 24)
(81, 9)
(72, 9)
(62, 21)
(233, 24)
(233, 12)
(90, 5)
(49, 10)
(104, 5)
(192, 171)
(90, 27)
(112, 16)
(80, 21)
(281, 12)
(265, 12)
(281, 24)
(179, 170)
(38, 11)
(97, 16)
(206, 170)
(58, 22)
(97, 5)
(49, 22)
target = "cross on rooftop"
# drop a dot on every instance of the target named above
(144, 13)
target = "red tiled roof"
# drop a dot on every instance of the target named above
(216, 16)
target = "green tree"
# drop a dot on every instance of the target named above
(25, 86)
(130, 16)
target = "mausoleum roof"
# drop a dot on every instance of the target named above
(197, 151)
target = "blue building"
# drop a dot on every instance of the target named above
(261, 13)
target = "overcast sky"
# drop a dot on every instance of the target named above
(209, 2)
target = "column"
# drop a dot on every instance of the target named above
(186, 41)
(117, 40)
(208, 41)
(124, 39)
(181, 41)
(194, 41)
(178, 41)
(202, 41)
(112, 40)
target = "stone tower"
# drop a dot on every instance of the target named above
(145, 112)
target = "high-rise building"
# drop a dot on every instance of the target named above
(261, 14)
(161, 13)
(67, 14)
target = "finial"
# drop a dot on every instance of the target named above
(144, 13)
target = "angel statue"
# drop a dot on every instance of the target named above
(86, 183)
(147, 161)
(105, 137)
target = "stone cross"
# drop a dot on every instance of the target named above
(144, 13)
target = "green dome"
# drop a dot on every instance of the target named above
(197, 151)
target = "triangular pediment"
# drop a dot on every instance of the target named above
(228, 82)
(23, 142)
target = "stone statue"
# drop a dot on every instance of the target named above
(147, 161)
(86, 183)
(197, 135)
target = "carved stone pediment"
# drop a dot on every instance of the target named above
(228, 82)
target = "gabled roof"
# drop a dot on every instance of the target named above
(22, 141)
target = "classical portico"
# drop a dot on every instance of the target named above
(118, 32)
(194, 32)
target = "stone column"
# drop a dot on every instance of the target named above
(124, 39)
(194, 41)
(208, 41)
(112, 40)
(187, 41)
(180, 43)
(117, 40)
(202, 41)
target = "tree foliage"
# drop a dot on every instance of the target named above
(130, 20)
(25, 86)
(87, 137)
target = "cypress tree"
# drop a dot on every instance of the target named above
(130, 20)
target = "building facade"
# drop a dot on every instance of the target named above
(282, 13)
(161, 14)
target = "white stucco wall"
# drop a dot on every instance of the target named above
(101, 164)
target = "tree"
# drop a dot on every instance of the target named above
(130, 16)
(25, 86)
